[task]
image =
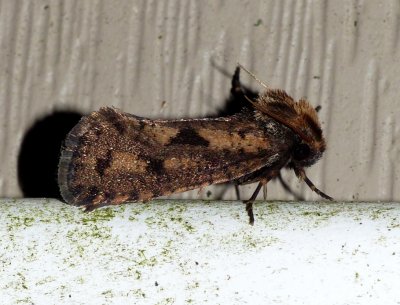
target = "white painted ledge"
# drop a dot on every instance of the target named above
(196, 252)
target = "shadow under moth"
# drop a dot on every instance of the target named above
(111, 157)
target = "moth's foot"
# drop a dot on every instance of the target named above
(249, 209)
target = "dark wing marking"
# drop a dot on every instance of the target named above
(111, 157)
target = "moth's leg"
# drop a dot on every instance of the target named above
(240, 93)
(237, 191)
(288, 189)
(227, 186)
(220, 195)
(92, 206)
(249, 203)
(300, 173)
(237, 89)
(265, 191)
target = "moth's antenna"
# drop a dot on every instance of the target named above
(253, 76)
(302, 175)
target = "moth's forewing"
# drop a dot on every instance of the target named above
(111, 157)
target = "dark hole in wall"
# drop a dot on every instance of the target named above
(40, 152)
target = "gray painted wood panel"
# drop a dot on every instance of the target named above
(168, 58)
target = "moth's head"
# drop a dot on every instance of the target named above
(301, 118)
(310, 143)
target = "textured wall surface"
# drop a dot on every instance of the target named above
(60, 59)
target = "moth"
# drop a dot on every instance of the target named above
(111, 157)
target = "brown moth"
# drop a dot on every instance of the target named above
(111, 157)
